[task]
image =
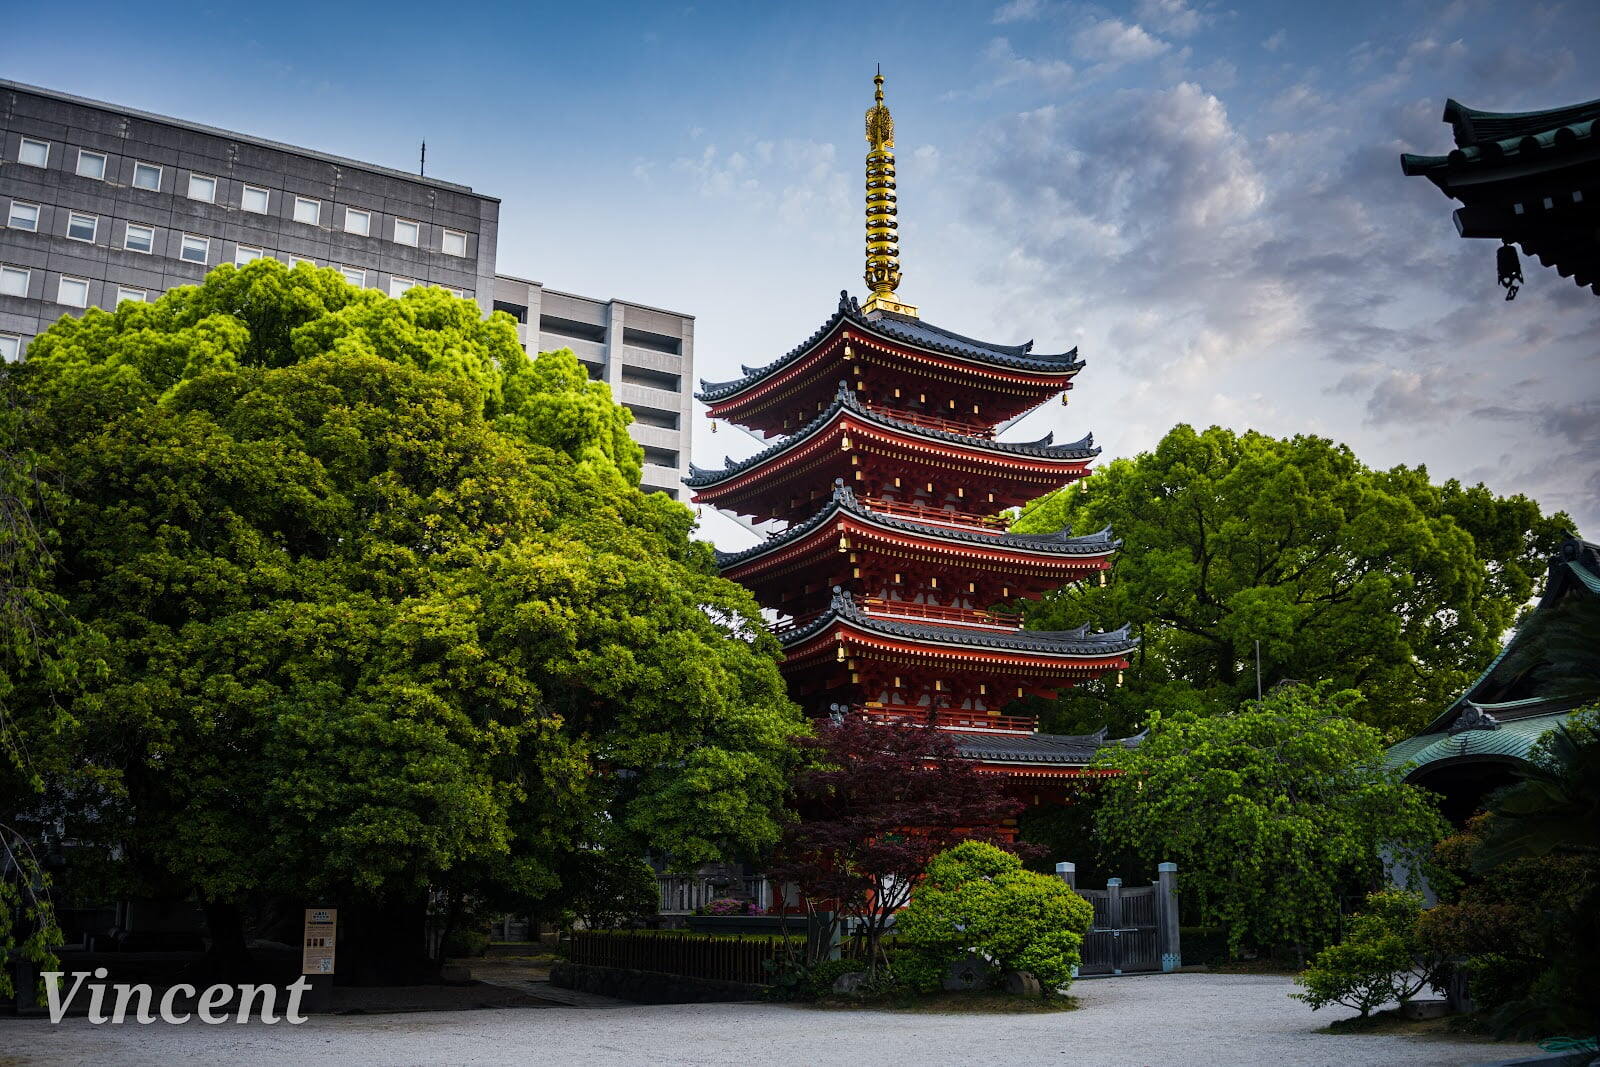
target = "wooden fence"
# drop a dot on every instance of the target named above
(725, 959)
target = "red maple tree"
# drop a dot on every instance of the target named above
(876, 803)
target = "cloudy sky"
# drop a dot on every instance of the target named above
(1205, 197)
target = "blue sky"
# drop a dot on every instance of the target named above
(1205, 197)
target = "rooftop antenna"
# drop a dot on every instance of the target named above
(422, 169)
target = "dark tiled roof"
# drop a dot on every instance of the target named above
(1077, 749)
(1487, 138)
(1076, 642)
(1042, 449)
(910, 331)
(1061, 543)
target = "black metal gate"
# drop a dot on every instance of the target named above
(1126, 934)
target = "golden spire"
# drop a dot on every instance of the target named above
(883, 243)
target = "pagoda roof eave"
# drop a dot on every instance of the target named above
(1044, 448)
(1077, 643)
(1060, 543)
(1025, 749)
(913, 332)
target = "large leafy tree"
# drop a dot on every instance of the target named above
(381, 608)
(1273, 813)
(1377, 580)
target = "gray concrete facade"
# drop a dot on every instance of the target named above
(645, 354)
(104, 203)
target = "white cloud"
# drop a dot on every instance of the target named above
(1011, 68)
(1275, 42)
(1173, 17)
(1112, 42)
(1019, 11)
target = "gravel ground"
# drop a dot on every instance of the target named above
(1206, 1019)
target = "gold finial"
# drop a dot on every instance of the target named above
(883, 243)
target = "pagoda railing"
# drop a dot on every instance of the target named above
(904, 609)
(933, 422)
(967, 520)
(952, 719)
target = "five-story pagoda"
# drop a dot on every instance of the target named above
(891, 578)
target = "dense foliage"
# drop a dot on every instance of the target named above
(1380, 959)
(875, 804)
(365, 602)
(978, 898)
(1520, 891)
(1376, 580)
(1273, 813)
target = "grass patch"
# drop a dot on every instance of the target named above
(1282, 968)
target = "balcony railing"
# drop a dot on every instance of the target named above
(953, 719)
(969, 520)
(933, 422)
(902, 609)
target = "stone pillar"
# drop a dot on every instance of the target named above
(1114, 917)
(1067, 871)
(1167, 901)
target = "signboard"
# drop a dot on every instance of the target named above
(321, 926)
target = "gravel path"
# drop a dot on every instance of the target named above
(1208, 1020)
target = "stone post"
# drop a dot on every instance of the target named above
(1114, 918)
(1067, 871)
(1167, 897)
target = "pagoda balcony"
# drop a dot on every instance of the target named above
(950, 718)
(932, 422)
(964, 520)
(903, 609)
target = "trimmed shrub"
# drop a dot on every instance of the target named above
(1380, 960)
(978, 898)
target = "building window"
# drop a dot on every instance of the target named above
(459, 294)
(33, 153)
(73, 292)
(136, 295)
(307, 211)
(195, 249)
(246, 255)
(147, 176)
(202, 188)
(255, 199)
(358, 222)
(14, 281)
(400, 285)
(24, 216)
(295, 262)
(82, 227)
(10, 347)
(455, 244)
(405, 232)
(91, 165)
(139, 238)
(355, 276)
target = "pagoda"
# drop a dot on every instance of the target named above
(895, 581)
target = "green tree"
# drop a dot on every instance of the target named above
(1273, 813)
(978, 898)
(382, 609)
(1379, 960)
(1375, 580)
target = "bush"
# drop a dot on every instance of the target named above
(730, 906)
(462, 943)
(1204, 944)
(1381, 958)
(977, 898)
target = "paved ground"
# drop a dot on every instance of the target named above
(1210, 1020)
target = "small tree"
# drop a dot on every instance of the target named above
(876, 804)
(1380, 960)
(1274, 813)
(612, 886)
(978, 898)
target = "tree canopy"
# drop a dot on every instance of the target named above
(1376, 580)
(367, 601)
(1272, 813)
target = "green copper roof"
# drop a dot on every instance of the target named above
(1511, 740)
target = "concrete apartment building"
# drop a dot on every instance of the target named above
(104, 204)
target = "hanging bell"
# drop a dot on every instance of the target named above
(713, 425)
(1510, 268)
